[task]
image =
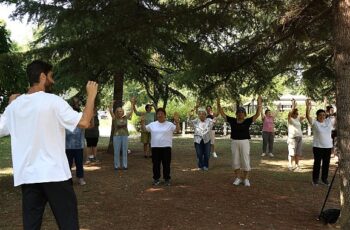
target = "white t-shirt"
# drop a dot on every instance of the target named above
(37, 123)
(294, 128)
(161, 133)
(322, 133)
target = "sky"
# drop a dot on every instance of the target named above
(21, 32)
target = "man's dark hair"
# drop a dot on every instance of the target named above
(320, 111)
(34, 70)
(161, 110)
(148, 106)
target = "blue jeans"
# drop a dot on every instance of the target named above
(203, 154)
(120, 143)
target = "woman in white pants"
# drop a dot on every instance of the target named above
(240, 136)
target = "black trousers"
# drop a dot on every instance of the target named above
(77, 156)
(161, 156)
(61, 198)
(321, 155)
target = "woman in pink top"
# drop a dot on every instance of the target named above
(268, 132)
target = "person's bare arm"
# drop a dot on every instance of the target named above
(111, 110)
(220, 110)
(133, 102)
(259, 110)
(262, 116)
(308, 109)
(291, 111)
(88, 113)
(135, 110)
(177, 122)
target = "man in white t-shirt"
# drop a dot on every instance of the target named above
(36, 122)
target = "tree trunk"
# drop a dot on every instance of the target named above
(342, 70)
(118, 98)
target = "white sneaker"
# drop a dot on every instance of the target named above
(246, 182)
(215, 155)
(237, 181)
(271, 155)
(82, 181)
(263, 154)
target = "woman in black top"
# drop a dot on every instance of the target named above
(240, 136)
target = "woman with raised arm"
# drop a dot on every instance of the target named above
(322, 143)
(202, 129)
(268, 132)
(295, 136)
(161, 143)
(240, 145)
(121, 133)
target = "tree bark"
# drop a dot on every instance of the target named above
(118, 98)
(342, 69)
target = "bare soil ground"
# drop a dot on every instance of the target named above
(277, 198)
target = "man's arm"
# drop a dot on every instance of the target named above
(135, 110)
(88, 113)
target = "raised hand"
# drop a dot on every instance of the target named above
(259, 100)
(133, 100)
(176, 117)
(91, 89)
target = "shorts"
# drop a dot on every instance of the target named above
(212, 137)
(91, 141)
(240, 154)
(146, 137)
(294, 146)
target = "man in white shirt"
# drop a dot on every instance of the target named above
(36, 122)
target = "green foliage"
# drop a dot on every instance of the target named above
(12, 74)
(5, 41)
(5, 153)
(230, 49)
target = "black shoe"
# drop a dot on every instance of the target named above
(167, 183)
(124, 168)
(156, 182)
